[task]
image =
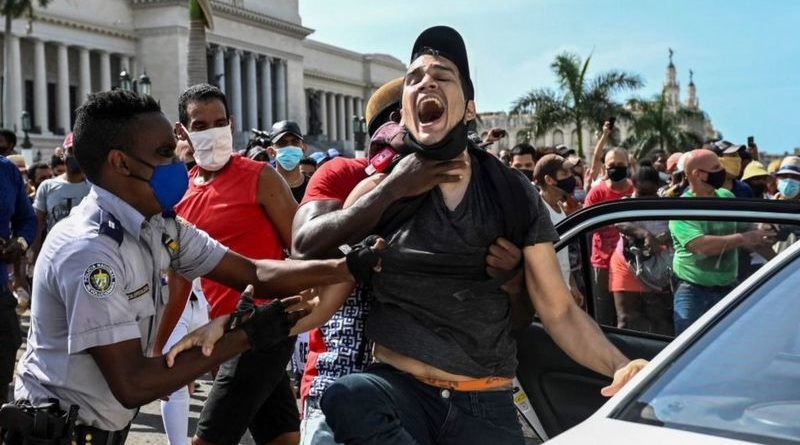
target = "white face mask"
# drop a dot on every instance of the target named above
(212, 148)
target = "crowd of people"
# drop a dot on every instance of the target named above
(660, 276)
(405, 271)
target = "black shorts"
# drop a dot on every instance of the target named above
(251, 391)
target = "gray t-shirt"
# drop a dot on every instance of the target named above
(98, 281)
(56, 197)
(415, 311)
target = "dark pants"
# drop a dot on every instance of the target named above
(251, 391)
(10, 339)
(384, 406)
(605, 313)
(644, 311)
(691, 301)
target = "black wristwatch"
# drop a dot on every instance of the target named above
(244, 310)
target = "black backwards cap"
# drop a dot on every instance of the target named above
(446, 42)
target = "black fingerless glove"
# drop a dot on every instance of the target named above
(268, 326)
(361, 260)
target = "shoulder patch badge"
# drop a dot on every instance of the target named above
(99, 280)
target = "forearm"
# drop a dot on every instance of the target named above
(152, 378)
(581, 339)
(715, 245)
(285, 278)
(331, 298)
(321, 236)
(569, 326)
(597, 157)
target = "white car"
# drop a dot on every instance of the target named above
(732, 377)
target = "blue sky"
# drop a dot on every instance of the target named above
(745, 54)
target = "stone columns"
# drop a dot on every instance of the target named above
(332, 135)
(235, 95)
(85, 75)
(12, 106)
(252, 96)
(281, 90)
(40, 87)
(62, 90)
(266, 93)
(348, 120)
(105, 71)
(341, 125)
(359, 107)
(219, 68)
(323, 112)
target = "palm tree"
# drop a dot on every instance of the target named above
(656, 126)
(579, 100)
(13, 9)
(200, 18)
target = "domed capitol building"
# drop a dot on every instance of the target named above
(258, 52)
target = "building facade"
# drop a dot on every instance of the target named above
(259, 53)
(519, 129)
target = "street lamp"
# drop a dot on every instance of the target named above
(359, 131)
(144, 86)
(27, 153)
(26, 128)
(125, 80)
(141, 86)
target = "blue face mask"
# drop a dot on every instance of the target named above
(789, 188)
(288, 157)
(168, 181)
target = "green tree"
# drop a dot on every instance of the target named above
(13, 9)
(578, 100)
(200, 19)
(656, 126)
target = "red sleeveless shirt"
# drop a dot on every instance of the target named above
(226, 208)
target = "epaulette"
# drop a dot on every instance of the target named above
(110, 226)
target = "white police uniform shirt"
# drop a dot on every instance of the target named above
(98, 281)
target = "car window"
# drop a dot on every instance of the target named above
(659, 276)
(740, 379)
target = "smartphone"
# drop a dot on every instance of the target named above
(612, 120)
(751, 141)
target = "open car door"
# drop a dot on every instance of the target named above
(563, 393)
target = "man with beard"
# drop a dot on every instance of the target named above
(441, 329)
(324, 220)
(56, 197)
(247, 206)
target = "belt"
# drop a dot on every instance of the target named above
(88, 435)
(727, 288)
(483, 384)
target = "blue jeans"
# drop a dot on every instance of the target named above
(388, 407)
(692, 301)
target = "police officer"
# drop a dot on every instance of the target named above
(98, 291)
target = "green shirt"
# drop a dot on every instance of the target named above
(703, 270)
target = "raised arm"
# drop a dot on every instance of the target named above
(597, 155)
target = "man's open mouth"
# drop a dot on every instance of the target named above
(430, 110)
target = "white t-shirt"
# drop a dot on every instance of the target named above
(556, 216)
